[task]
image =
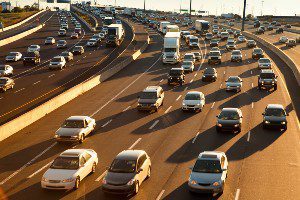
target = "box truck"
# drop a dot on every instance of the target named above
(163, 26)
(173, 28)
(115, 35)
(171, 51)
(108, 21)
(202, 26)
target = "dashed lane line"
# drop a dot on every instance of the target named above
(36, 82)
(237, 194)
(135, 143)
(160, 195)
(212, 106)
(195, 138)
(51, 75)
(106, 123)
(248, 136)
(168, 110)
(178, 97)
(19, 90)
(154, 124)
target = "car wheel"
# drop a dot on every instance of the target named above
(275, 87)
(285, 128)
(240, 129)
(81, 139)
(77, 182)
(93, 168)
(149, 172)
(136, 189)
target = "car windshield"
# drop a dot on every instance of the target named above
(64, 54)
(192, 96)
(12, 54)
(229, 115)
(224, 34)
(49, 38)
(209, 35)
(275, 112)
(73, 124)
(56, 60)
(148, 95)
(123, 166)
(77, 48)
(251, 41)
(170, 50)
(236, 53)
(267, 75)
(214, 53)
(230, 43)
(257, 51)
(196, 54)
(61, 42)
(187, 63)
(193, 40)
(175, 72)
(233, 79)
(264, 60)
(33, 46)
(2, 81)
(207, 166)
(209, 71)
(93, 40)
(214, 41)
(65, 163)
(188, 57)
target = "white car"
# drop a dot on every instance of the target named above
(49, 40)
(75, 129)
(264, 63)
(92, 42)
(69, 169)
(234, 83)
(283, 39)
(58, 62)
(189, 57)
(13, 57)
(33, 48)
(6, 70)
(188, 66)
(236, 56)
(62, 32)
(241, 38)
(193, 101)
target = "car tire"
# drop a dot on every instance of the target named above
(240, 129)
(218, 129)
(285, 128)
(93, 170)
(275, 87)
(77, 183)
(136, 187)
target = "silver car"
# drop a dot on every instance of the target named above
(264, 63)
(188, 66)
(209, 173)
(234, 83)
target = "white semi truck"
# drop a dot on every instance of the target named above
(163, 26)
(115, 35)
(202, 26)
(171, 51)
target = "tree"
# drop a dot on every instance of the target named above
(250, 16)
(236, 16)
(17, 10)
(27, 8)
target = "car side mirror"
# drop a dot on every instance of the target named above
(217, 116)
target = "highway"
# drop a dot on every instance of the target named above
(40, 18)
(263, 164)
(36, 84)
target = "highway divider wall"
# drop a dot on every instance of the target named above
(285, 58)
(19, 36)
(93, 29)
(37, 113)
(22, 22)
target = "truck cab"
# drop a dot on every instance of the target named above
(115, 35)
(171, 51)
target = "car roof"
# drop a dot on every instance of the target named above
(279, 106)
(151, 89)
(211, 155)
(130, 154)
(177, 68)
(73, 152)
(194, 92)
(230, 109)
(267, 71)
(188, 54)
(77, 117)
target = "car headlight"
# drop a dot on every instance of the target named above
(193, 182)
(219, 125)
(67, 180)
(262, 82)
(44, 179)
(131, 182)
(216, 184)
(203, 76)
(198, 104)
(56, 136)
(273, 82)
(283, 122)
(267, 122)
(184, 104)
(236, 125)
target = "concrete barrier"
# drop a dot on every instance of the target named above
(285, 58)
(19, 36)
(22, 22)
(92, 29)
(15, 125)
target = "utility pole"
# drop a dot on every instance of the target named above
(180, 6)
(262, 5)
(244, 15)
(144, 5)
(190, 8)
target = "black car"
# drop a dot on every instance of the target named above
(78, 50)
(176, 76)
(230, 119)
(267, 79)
(279, 30)
(275, 116)
(32, 58)
(257, 53)
(209, 74)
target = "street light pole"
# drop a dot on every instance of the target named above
(244, 15)
(190, 8)
(144, 5)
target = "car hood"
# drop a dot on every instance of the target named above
(69, 131)
(150, 101)
(119, 178)
(233, 84)
(192, 102)
(228, 122)
(205, 177)
(275, 119)
(59, 174)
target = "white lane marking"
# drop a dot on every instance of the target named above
(153, 125)
(237, 194)
(27, 164)
(19, 90)
(51, 75)
(90, 53)
(221, 85)
(39, 170)
(191, 80)
(94, 113)
(195, 75)
(212, 105)
(36, 82)
(101, 176)
(106, 123)
(1, 98)
(168, 110)
(161, 80)
(251, 72)
(178, 97)
(224, 72)
(185, 88)
(160, 195)
(195, 138)
(126, 109)
(135, 143)
(252, 85)
(248, 136)
(252, 105)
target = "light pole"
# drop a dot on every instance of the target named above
(190, 8)
(180, 7)
(244, 15)
(144, 5)
(262, 5)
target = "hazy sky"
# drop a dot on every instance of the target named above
(271, 7)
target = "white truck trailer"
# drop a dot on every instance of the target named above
(163, 26)
(171, 51)
(115, 35)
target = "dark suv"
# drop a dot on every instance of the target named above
(209, 74)
(176, 76)
(32, 58)
(267, 79)
(275, 117)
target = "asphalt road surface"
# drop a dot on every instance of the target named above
(263, 164)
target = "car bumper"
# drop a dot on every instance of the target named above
(205, 189)
(55, 66)
(191, 108)
(275, 125)
(228, 128)
(57, 186)
(146, 108)
(170, 61)
(236, 59)
(257, 56)
(123, 189)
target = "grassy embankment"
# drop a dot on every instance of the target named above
(9, 19)
(85, 18)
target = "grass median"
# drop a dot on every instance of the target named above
(9, 19)
(85, 18)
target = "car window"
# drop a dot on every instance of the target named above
(222, 161)
(141, 161)
(87, 156)
(82, 161)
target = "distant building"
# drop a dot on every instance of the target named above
(6, 6)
